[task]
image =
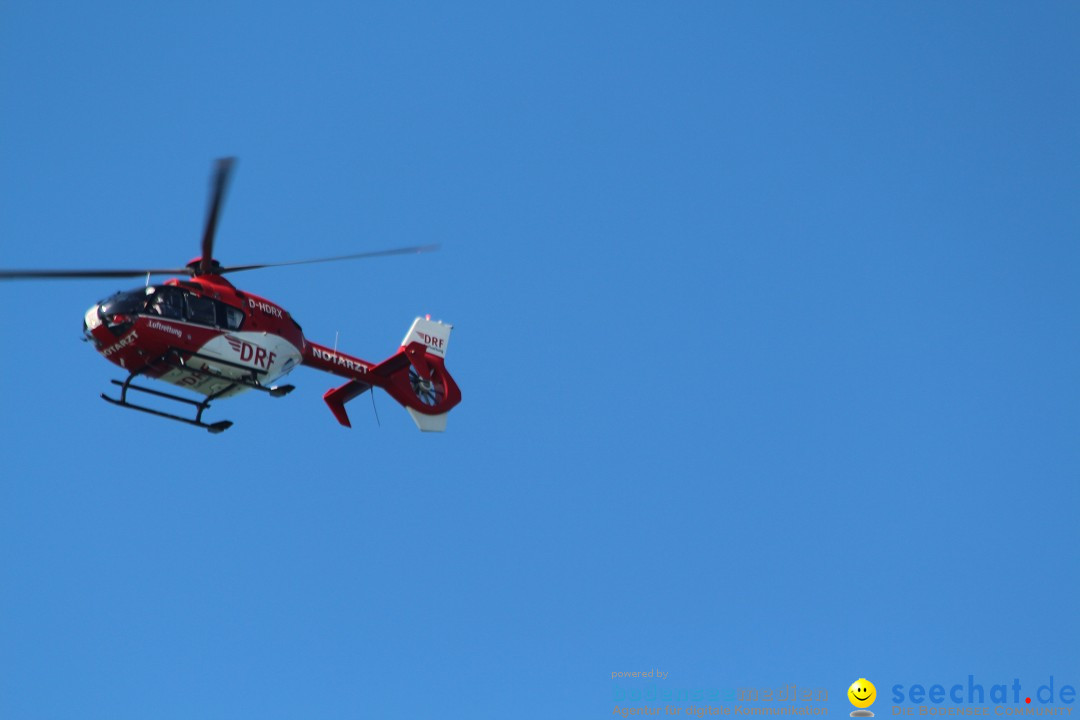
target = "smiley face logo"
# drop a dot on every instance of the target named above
(862, 694)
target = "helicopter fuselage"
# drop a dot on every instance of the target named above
(201, 334)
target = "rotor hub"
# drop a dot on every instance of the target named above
(195, 263)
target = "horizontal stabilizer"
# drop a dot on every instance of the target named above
(337, 398)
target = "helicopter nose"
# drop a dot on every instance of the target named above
(92, 318)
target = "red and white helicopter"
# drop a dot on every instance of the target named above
(205, 335)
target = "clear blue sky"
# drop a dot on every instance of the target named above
(765, 322)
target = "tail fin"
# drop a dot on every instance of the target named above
(415, 376)
(434, 334)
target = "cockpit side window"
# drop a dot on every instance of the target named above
(167, 302)
(229, 317)
(200, 310)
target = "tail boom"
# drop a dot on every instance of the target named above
(415, 376)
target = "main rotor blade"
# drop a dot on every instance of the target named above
(222, 171)
(415, 249)
(70, 274)
(75, 274)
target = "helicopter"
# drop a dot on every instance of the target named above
(201, 333)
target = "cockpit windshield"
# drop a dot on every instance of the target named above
(129, 302)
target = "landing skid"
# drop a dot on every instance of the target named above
(176, 360)
(126, 385)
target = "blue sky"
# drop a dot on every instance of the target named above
(765, 323)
